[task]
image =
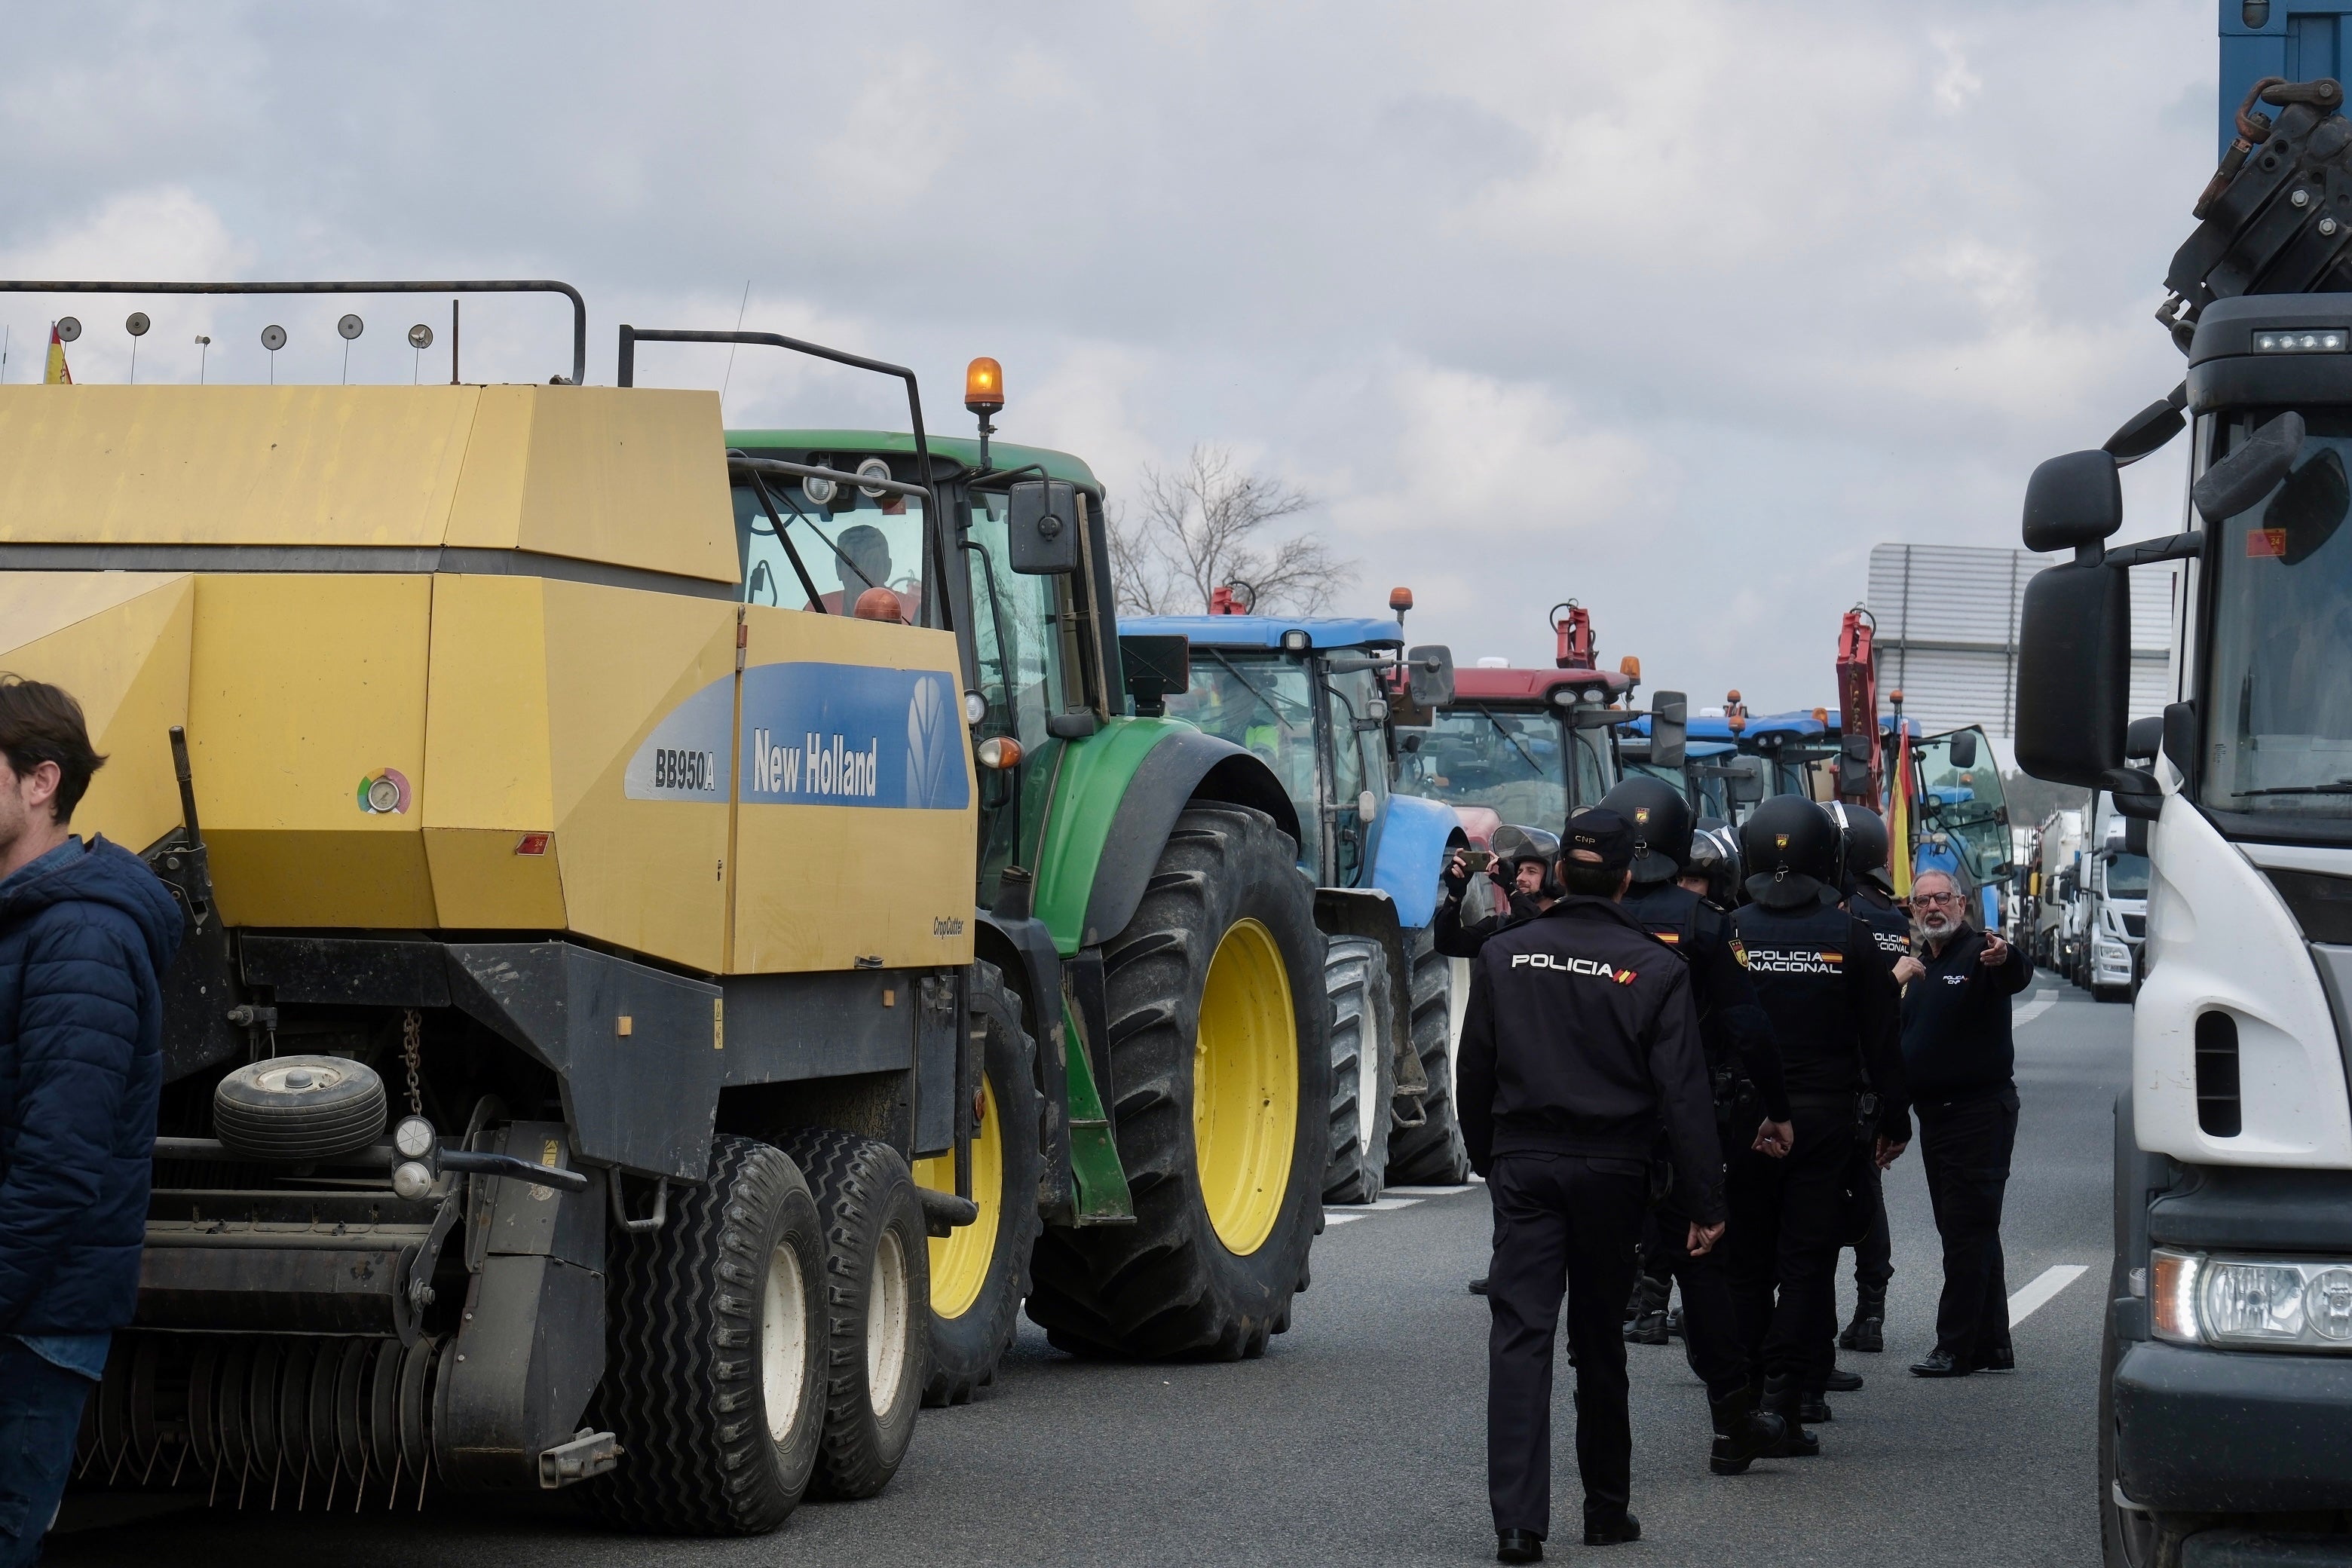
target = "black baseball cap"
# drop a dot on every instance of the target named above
(1595, 833)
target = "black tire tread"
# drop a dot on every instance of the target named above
(1432, 1154)
(1356, 980)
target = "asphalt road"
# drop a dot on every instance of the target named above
(1359, 1438)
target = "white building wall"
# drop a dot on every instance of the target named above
(1947, 617)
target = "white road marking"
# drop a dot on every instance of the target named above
(2037, 1295)
(1426, 1192)
(1333, 1217)
(2033, 1010)
(1380, 1206)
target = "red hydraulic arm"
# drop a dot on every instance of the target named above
(1575, 632)
(1858, 680)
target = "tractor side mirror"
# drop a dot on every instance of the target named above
(1042, 528)
(1156, 667)
(1964, 749)
(1854, 757)
(1669, 728)
(1743, 780)
(1431, 679)
(2073, 686)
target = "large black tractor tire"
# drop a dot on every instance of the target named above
(1220, 1063)
(1432, 1154)
(1363, 1069)
(979, 1274)
(877, 1306)
(714, 1376)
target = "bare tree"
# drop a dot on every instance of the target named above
(1202, 526)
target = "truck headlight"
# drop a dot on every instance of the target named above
(2270, 1303)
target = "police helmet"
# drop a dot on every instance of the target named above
(1790, 847)
(1514, 844)
(1662, 827)
(1715, 855)
(1863, 832)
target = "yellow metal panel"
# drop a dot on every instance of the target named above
(819, 886)
(481, 881)
(301, 690)
(486, 756)
(633, 475)
(487, 511)
(647, 873)
(230, 464)
(118, 642)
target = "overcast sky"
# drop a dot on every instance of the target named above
(1672, 307)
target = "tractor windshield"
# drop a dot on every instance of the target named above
(1966, 804)
(1513, 761)
(1262, 703)
(854, 543)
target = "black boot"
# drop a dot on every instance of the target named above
(1645, 1314)
(1814, 1409)
(1744, 1433)
(1868, 1330)
(1784, 1399)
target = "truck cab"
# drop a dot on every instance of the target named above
(2115, 918)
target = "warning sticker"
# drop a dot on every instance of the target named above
(2262, 542)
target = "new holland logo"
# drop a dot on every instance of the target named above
(1795, 960)
(1591, 966)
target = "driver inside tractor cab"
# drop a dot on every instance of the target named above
(843, 543)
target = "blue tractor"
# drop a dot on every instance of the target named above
(1320, 700)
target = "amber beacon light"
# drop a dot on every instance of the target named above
(983, 395)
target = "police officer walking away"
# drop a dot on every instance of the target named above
(1869, 895)
(1743, 1067)
(1581, 1038)
(1957, 1049)
(1832, 997)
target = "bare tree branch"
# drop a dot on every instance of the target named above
(1202, 527)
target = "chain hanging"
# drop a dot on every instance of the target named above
(412, 1028)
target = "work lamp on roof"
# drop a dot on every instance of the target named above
(1295, 641)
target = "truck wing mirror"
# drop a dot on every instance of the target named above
(2135, 836)
(2072, 501)
(1041, 527)
(2250, 473)
(2149, 430)
(1156, 667)
(2136, 792)
(1431, 679)
(2144, 739)
(2180, 739)
(1669, 728)
(2073, 688)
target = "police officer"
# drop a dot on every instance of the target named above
(1579, 1040)
(1744, 1072)
(1521, 887)
(1869, 894)
(1832, 997)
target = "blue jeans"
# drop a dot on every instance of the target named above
(40, 1414)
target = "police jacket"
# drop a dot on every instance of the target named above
(1956, 1035)
(1581, 1038)
(1833, 999)
(1889, 925)
(1733, 1026)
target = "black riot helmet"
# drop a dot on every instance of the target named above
(1514, 844)
(1790, 847)
(1863, 832)
(1715, 855)
(1662, 827)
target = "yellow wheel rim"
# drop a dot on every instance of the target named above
(960, 1259)
(1246, 1087)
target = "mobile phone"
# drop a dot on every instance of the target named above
(1477, 860)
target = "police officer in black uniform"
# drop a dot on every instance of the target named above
(1832, 997)
(1744, 1071)
(1581, 1039)
(1869, 895)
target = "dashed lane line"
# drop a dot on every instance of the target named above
(1425, 1192)
(2037, 1295)
(2033, 1010)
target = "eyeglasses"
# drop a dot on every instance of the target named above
(1935, 899)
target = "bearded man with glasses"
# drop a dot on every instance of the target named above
(1960, 1062)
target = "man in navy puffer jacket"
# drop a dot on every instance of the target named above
(86, 931)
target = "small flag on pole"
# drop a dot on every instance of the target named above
(57, 376)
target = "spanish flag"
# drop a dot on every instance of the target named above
(58, 376)
(1899, 811)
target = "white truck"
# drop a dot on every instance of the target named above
(2225, 1399)
(2057, 858)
